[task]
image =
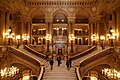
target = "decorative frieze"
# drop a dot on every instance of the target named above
(61, 3)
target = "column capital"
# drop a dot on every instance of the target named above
(48, 19)
(95, 18)
(92, 19)
(98, 18)
(22, 19)
(118, 11)
(71, 19)
(28, 19)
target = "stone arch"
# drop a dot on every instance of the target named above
(18, 62)
(82, 16)
(102, 7)
(60, 11)
(17, 7)
(61, 14)
(81, 11)
(35, 12)
(5, 6)
(100, 67)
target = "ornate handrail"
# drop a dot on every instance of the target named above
(79, 55)
(28, 58)
(23, 55)
(35, 52)
(102, 76)
(41, 73)
(77, 70)
(95, 57)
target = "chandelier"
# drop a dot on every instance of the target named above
(9, 71)
(111, 73)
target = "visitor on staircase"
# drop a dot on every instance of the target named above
(51, 63)
(59, 60)
(67, 64)
(70, 62)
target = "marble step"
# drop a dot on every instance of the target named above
(59, 73)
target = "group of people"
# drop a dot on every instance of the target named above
(68, 62)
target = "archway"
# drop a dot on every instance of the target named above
(60, 32)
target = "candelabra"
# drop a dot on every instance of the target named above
(94, 39)
(18, 38)
(9, 72)
(111, 73)
(25, 38)
(9, 35)
(72, 39)
(48, 38)
(102, 43)
(111, 36)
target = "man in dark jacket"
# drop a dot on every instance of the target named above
(59, 60)
(51, 64)
(70, 61)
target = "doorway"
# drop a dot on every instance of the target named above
(59, 51)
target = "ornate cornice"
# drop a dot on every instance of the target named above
(61, 3)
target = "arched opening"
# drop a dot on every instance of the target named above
(96, 73)
(38, 28)
(60, 18)
(81, 27)
(60, 33)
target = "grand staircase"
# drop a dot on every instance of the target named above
(59, 72)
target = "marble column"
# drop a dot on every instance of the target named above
(51, 33)
(7, 25)
(71, 23)
(29, 30)
(118, 26)
(69, 32)
(2, 25)
(114, 25)
(23, 29)
(89, 34)
(114, 21)
(98, 32)
(92, 28)
(49, 30)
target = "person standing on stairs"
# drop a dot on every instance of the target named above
(70, 62)
(67, 64)
(51, 63)
(59, 60)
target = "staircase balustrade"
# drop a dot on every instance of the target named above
(40, 77)
(77, 71)
(23, 55)
(95, 57)
(35, 52)
(86, 52)
(28, 58)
